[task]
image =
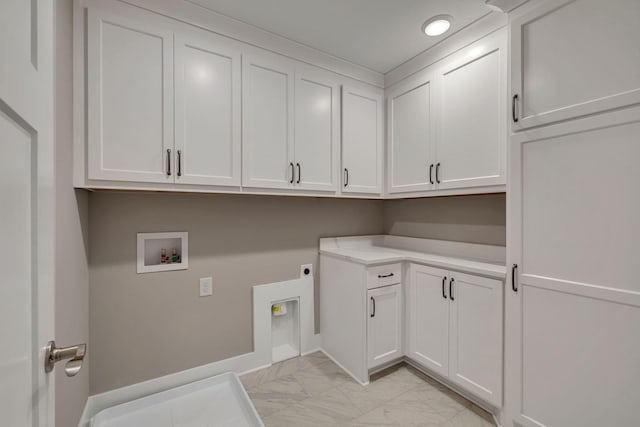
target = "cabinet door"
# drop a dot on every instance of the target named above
(428, 323)
(384, 333)
(573, 314)
(130, 98)
(207, 110)
(316, 151)
(471, 131)
(475, 352)
(410, 137)
(267, 122)
(556, 77)
(361, 141)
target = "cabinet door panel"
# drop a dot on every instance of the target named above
(428, 327)
(410, 139)
(130, 98)
(207, 112)
(576, 313)
(385, 325)
(361, 141)
(595, 69)
(316, 132)
(267, 125)
(471, 140)
(475, 360)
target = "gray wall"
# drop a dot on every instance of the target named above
(476, 219)
(72, 271)
(147, 325)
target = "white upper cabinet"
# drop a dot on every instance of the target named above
(316, 128)
(362, 140)
(129, 99)
(574, 58)
(267, 122)
(207, 110)
(470, 147)
(410, 137)
(475, 360)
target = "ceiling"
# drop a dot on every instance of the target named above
(376, 34)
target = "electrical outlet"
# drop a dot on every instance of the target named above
(306, 270)
(206, 286)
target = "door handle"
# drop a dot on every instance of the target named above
(514, 269)
(373, 311)
(299, 173)
(451, 289)
(168, 162)
(293, 173)
(346, 177)
(444, 292)
(438, 173)
(179, 162)
(514, 102)
(74, 354)
(431, 173)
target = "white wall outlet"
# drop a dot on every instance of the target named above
(306, 270)
(206, 286)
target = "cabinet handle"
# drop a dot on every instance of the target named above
(451, 289)
(514, 102)
(444, 292)
(382, 276)
(346, 177)
(293, 173)
(299, 173)
(438, 173)
(179, 162)
(168, 162)
(373, 311)
(514, 269)
(431, 173)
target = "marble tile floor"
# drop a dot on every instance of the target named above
(313, 391)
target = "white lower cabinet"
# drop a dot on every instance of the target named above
(384, 329)
(455, 328)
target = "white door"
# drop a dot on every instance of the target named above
(428, 324)
(555, 76)
(410, 137)
(475, 351)
(207, 110)
(362, 141)
(130, 96)
(317, 132)
(267, 122)
(471, 137)
(573, 314)
(26, 211)
(384, 330)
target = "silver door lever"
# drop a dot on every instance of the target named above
(75, 354)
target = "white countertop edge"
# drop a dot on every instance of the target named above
(458, 264)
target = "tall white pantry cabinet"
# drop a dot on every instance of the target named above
(573, 302)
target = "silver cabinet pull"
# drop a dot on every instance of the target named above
(179, 162)
(74, 354)
(168, 162)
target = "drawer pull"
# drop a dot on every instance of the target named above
(382, 276)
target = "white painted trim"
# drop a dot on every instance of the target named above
(484, 26)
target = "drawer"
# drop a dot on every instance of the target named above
(384, 275)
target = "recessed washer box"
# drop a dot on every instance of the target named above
(163, 251)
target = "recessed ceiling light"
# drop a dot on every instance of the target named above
(437, 25)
